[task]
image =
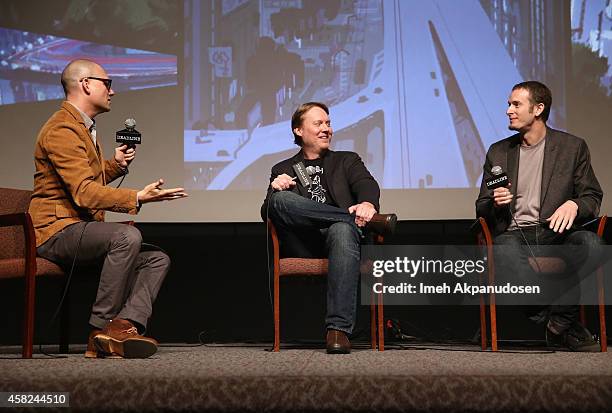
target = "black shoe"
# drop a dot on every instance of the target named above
(580, 339)
(382, 224)
(337, 342)
(554, 340)
(576, 338)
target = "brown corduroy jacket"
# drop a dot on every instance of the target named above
(71, 177)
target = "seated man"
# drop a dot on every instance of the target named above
(551, 181)
(326, 217)
(68, 203)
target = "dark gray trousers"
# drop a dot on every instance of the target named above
(132, 272)
(515, 261)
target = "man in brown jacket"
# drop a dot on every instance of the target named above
(68, 203)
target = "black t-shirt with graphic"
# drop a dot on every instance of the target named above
(318, 190)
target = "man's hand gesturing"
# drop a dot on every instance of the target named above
(154, 193)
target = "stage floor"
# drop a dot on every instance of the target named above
(422, 378)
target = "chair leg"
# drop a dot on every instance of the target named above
(493, 315)
(603, 336)
(381, 322)
(372, 321)
(483, 323)
(492, 306)
(28, 318)
(276, 314)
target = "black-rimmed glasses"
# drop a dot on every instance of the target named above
(107, 82)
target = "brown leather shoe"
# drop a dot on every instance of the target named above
(92, 352)
(337, 342)
(121, 337)
(382, 224)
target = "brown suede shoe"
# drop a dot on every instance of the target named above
(121, 337)
(92, 352)
(382, 224)
(337, 342)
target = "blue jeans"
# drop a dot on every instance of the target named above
(309, 229)
(514, 259)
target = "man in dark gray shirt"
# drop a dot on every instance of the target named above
(552, 187)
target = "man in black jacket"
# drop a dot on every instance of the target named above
(327, 216)
(553, 189)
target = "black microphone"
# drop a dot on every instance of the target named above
(129, 136)
(303, 173)
(498, 180)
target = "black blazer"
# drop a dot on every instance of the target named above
(348, 180)
(566, 175)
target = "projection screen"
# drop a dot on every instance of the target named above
(418, 88)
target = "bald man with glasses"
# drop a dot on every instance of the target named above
(70, 196)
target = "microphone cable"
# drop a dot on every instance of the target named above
(268, 254)
(525, 238)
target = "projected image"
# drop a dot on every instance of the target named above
(417, 88)
(31, 65)
(592, 37)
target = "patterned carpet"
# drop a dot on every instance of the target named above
(236, 379)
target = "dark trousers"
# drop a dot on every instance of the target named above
(132, 272)
(309, 229)
(513, 258)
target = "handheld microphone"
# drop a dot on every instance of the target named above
(129, 136)
(310, 170)
(498, 180)
(303, 173)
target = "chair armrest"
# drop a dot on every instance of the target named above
(24, 220)
(11, 220)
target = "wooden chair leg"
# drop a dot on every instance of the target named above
(28, 317)
(492, 306)
(483, 323)
(372, 321)
(381, 322)
(276, 314)
(493, 315)
(603, 336)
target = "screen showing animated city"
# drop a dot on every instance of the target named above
(411, 87)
